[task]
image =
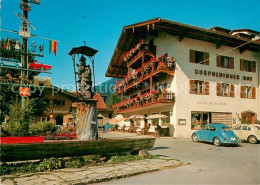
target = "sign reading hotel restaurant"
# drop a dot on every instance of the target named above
(60, 111)
(221, 75)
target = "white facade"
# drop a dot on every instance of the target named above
(185, 71)
(179, 84)
(189, 107)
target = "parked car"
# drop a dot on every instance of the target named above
(217, 134)
(250, 133)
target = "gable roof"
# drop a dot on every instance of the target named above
(131, 34)
(101, 106)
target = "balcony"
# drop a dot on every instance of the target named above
(145, 53)
(153, 68)
(147, 100)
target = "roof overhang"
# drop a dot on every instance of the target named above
(131, 34)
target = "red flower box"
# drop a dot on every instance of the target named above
(12, 140)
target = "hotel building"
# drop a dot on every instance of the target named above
(214, 76)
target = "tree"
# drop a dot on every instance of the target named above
(113, 99)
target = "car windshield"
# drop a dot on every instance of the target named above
(258, 127)
(226, 129)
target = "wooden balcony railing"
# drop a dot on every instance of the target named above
(165, 97)
(145, 73)
(144, 50)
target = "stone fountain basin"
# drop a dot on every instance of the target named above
(58, 149)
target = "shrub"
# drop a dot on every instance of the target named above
(50, 164)
(14, 129)
(44, 128)
(75, 162)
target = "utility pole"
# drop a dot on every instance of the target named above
(24, 56)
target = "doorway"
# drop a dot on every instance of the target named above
(59, 120)
(248, 117)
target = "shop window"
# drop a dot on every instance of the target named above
(225, 62)
(166, 121)
(199, 87)
(199, 57)
(248, 92)
(199, 119)
(246, 65)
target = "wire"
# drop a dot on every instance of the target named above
(228, 50)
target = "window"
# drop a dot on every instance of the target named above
(246, 128)
(212, 128)
(246, 65)
(58, 103)
(166, 121)
(44, 118)
(248, 92)
(224, 89)
(199, 57)
(161, 87)
(225, 62)
(237, 128)
(199, 87)
(199, 119)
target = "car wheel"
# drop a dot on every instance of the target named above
(252, 139)
(216, 141)
(194, 138)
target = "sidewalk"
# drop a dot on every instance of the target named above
(93, 174)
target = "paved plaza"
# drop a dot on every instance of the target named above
(197, 163)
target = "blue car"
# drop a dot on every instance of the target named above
(217, 134)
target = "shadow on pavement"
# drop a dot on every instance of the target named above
(158, 148)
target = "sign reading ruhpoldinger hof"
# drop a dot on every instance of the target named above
(221, 75)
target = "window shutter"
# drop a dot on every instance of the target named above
(232, 91)
(218, 89)
(253, 66)
(242, 64)
(206, 58)
(218, 61)
(206, 88)
(192, 56)
(192, 86)
(231, 62)
(253, 92)
(242, 92)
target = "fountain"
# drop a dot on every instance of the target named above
(86, 114)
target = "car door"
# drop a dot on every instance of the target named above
(245, 132)
(238, 132)
(204, 133)
(211, 133)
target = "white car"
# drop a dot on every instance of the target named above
(250, 133)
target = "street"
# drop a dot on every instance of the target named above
(209, 164)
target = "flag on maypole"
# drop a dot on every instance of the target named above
(53, 47)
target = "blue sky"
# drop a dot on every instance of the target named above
(100, 22)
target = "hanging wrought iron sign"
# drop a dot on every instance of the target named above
(25, 6)
(24, 91)
(35, 1)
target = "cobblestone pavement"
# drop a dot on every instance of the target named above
(91, 174)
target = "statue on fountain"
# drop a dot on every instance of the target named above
(85, 82)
